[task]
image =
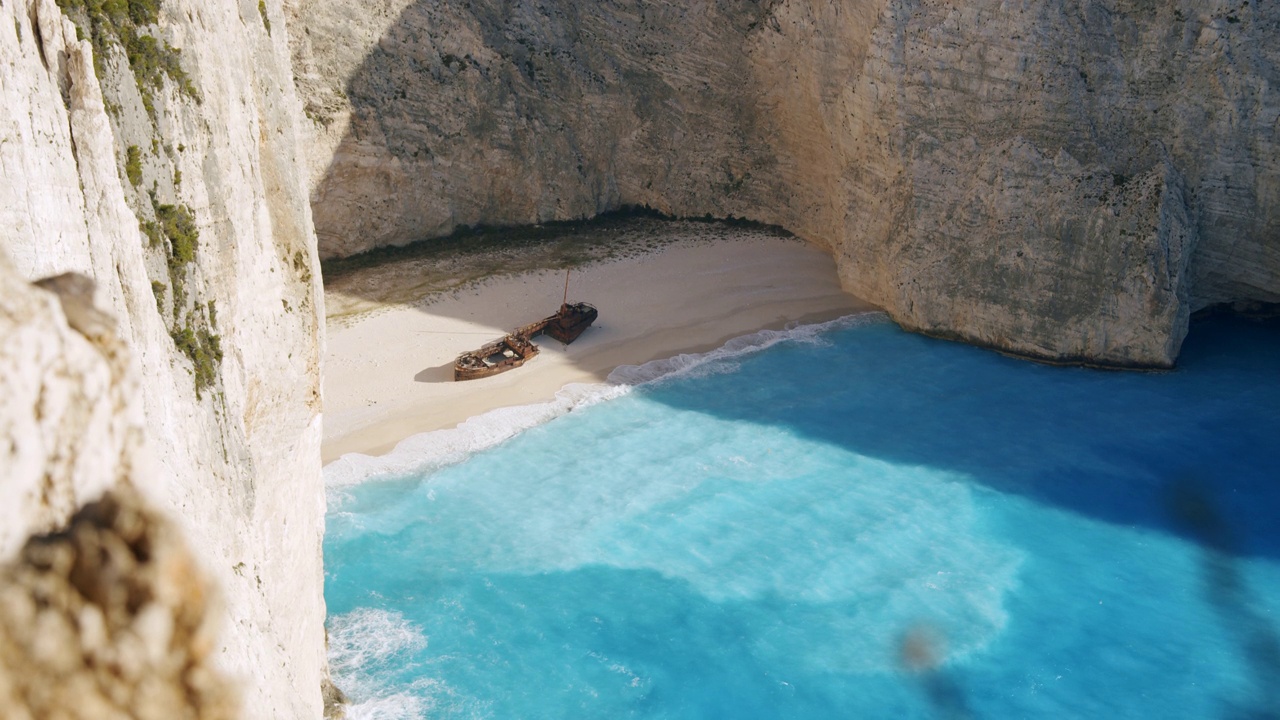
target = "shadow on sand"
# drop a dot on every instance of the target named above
(438, 374)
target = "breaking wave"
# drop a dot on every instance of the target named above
(431, 450)
(693, 364)
(365, 645)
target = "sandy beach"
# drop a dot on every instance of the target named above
(388, 371)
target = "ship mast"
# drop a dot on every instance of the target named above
(566, 288)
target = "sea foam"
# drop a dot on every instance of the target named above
(919, 529)
(431, 450)
(368, 649)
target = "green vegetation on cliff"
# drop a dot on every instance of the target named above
(126, 23)
(133, 165)
(204, 349)
(175, 230)
(179, 226)
(158, 289)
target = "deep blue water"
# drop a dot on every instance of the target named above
(863, 524)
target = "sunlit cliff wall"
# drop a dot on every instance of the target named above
(154, 147)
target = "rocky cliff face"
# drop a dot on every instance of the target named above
(1067, 179)
(109, 615)
(448, 113)
(153, 146)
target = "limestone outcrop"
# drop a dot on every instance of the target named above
(443, 114)
(1066, 179)
(70, 407)
(103, 610)
(154, 148)
(110, 618)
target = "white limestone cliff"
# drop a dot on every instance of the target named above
(103, 612)
(955, 157)
(233, 421)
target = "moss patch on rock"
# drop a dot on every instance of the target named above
(128, 24)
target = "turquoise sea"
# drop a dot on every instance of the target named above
(838, 521)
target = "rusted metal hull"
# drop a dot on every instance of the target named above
(506, 354)
(571, 321)
(515, 349)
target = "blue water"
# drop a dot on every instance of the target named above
(904, 528)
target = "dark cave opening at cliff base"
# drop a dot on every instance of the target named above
(556, 244)
(1249, 309)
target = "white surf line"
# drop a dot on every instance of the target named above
(439, 448)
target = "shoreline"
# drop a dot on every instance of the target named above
(389, 370)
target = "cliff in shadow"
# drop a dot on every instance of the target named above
(1065, 179)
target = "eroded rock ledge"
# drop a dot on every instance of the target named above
(1066, 179)
(109, 617)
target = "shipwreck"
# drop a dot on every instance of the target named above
(517, 348)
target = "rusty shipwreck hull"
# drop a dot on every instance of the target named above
(513, 350)
(570, 321)
(499, 356)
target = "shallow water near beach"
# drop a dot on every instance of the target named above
(831, 522)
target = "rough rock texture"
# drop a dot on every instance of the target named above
(516, 113)
(109, 618)
(1062, 178)
(192, 217)
(1173, 93)
(70, 409)
(1052, 283)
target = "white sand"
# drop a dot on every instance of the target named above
(389, 375)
